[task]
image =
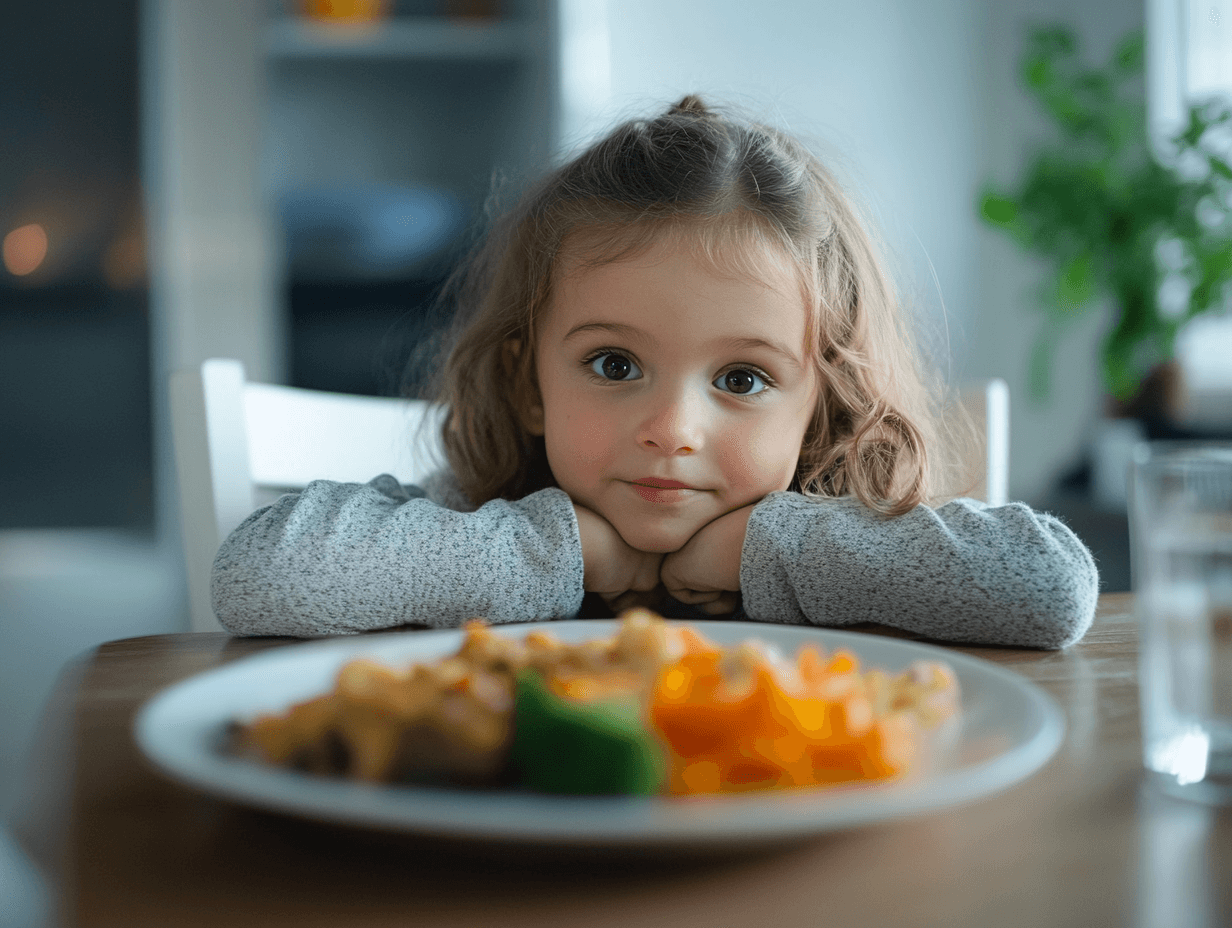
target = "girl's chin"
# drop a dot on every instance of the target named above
(647, 538)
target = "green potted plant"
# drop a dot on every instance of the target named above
(1115, 219)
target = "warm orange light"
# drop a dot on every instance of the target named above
(24, 249)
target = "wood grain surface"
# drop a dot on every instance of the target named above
(1085, 841)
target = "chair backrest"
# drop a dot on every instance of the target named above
(987, 402)
(238, 445)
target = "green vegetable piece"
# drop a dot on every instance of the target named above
(564, 746)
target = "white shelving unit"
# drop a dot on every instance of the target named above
(409, 106)
(416, 101)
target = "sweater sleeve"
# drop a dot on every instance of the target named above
(341, 558)
(962, 572)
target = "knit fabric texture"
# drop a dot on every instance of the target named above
(341, 558)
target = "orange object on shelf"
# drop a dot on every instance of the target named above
(345, 11)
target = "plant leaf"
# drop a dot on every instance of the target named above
(1037, 73)
(1076, 284)
(998, 210)
(1047, 48)
(1117, 371)
(1129, 57)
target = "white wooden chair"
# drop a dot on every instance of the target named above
(987, 402)
(239, 445)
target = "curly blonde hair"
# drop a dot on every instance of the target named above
(727, 184)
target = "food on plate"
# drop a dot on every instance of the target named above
(745, 718)
(600, 745)
(654, 708)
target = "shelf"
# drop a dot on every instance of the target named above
(406, 39)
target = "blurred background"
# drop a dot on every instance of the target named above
(182, 180)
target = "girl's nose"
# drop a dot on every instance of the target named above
(675, 426)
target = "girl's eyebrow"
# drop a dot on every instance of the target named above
(751, 343)
(615, 328)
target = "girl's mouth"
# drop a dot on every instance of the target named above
(660, 484)
(656, 490)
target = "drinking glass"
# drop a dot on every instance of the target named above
(1181, 547)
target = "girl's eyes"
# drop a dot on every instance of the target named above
(612, 366)
(742, 381)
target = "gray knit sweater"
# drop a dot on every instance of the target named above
(341, 558)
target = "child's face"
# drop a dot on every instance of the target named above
(656, 369)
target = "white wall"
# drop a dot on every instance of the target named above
(886, 90)
(915, 104)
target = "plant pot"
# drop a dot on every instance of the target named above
(1159, 403)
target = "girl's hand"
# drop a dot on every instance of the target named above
(706, 571)
(610, 567)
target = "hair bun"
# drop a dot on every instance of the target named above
(692, 104)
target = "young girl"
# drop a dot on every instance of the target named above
(681, 380)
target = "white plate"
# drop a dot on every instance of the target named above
(1009, 728)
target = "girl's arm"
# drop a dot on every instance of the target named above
(339, 558)
(963, 572)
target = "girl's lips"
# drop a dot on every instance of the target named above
(660, 494)
(654, 490)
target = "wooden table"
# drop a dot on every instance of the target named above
(1082, 842)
